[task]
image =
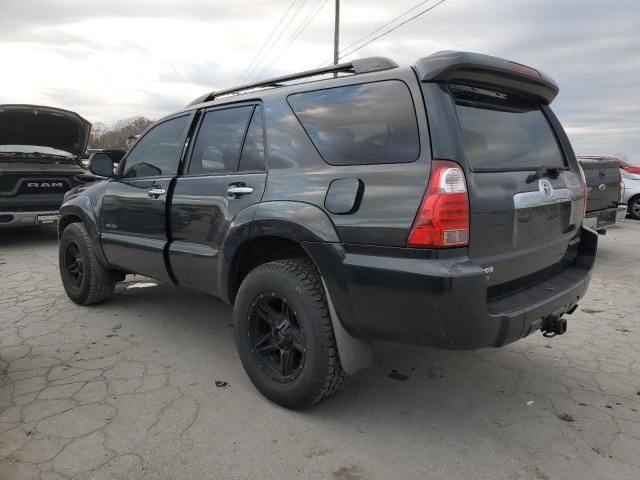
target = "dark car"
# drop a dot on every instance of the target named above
(39, 162)
(604, 186)
(439, 204)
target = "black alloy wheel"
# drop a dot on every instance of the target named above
(84, 279)
(284, 333)
(73, 264)
(276, 338)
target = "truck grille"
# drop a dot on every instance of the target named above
(12, 184)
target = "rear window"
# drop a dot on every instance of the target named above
(360, 124)
(504, 132)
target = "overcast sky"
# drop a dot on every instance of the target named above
(114, 59)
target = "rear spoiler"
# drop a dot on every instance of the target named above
(484, 70)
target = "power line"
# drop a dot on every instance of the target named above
(294, 36)
(385, 25)
(266, 66)
(379, 28)
(344, 53)
(248, 68)
(396, 27)
(266, 54)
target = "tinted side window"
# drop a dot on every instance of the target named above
(217, 147)
(360, 124)
(504, 132)
(158, 152)
(252, 157)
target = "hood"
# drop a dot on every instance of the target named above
(44, 127)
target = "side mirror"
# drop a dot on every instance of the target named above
(101, 164)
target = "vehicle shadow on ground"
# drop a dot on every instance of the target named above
(520, 398)
(405, 386)
(28, 236)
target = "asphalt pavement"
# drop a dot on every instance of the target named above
(149, 386)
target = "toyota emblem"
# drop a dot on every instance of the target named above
(545, 187)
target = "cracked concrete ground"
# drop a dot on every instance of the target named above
(148, 386)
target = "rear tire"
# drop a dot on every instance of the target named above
(282, 320)
(84, 279)
(634, 207)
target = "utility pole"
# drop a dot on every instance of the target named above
(336, 35)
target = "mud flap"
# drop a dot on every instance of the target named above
(355, 353)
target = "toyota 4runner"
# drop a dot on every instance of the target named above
(439, 204)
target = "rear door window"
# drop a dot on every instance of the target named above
(505, 132)
(252, 157)
(360, 124)
(219, 140)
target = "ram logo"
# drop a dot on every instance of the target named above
(45, 184)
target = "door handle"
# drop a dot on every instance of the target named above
(235, 191)
(155, 192)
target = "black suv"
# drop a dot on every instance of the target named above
(439, 204)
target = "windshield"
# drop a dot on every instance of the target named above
(35, 150)
(504, 132)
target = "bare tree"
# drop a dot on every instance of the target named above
(116, 137)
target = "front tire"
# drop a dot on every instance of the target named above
(284, 334)
(84, 279)
(634, 207)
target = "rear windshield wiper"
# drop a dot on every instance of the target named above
(543, 171)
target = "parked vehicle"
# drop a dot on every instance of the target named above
(439, 204)
(39, 162)
(603, 193)
(621, 163)
(115, 154)
(631, 194)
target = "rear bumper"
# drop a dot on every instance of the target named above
(443, 302)
(601, 219)
(25, 219)
(622, 212)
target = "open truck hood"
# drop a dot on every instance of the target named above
(45, 127)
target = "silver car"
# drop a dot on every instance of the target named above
(630, 193)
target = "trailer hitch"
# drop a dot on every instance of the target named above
(553, 325)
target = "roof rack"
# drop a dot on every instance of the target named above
(360, 65)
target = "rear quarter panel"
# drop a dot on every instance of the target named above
(392, 192)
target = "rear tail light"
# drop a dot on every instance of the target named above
(443, 218)
(619, 187)
(584, 192)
